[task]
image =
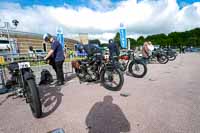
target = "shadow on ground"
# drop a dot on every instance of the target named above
(51, 98)
(106, 117)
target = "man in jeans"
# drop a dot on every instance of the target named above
(56, 54)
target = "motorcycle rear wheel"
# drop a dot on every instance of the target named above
(172, 57)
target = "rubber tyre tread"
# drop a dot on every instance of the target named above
(136, 75)
(35, 98)
(118, 87)
(163, 62)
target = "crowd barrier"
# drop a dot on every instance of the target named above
(37, 65)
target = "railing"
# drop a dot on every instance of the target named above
(37, 65)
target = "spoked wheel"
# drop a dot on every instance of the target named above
(162, 59)
(34, 98)
(112, 79)
(172, 57)
(137, 69)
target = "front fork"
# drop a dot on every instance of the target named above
(26, 90)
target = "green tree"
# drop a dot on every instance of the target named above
(174, 39)
(117, 38)
(133, 42)
(140, 40)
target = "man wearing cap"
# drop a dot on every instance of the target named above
(56, 54)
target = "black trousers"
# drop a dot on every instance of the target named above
(58, 67)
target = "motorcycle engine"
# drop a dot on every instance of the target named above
(88, 71)
(92, 74)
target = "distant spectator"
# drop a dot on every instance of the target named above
(147, 50)
(65, 49)
(183, 49)
(71, 54)
(31, 52)
(180, 49)
(150, 47)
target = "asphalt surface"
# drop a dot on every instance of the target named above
(166, 100)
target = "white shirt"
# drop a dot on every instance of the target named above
(150, 47)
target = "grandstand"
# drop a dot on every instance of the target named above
(25, 39)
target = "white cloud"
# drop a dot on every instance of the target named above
(188, 17)
(143, 18)
(104, 37)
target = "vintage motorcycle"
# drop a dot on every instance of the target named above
(97, 68)
(136, 67)
(23, 81)
(160, 56)
(171, 54)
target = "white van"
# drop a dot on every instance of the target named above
(8, 48)
(4, 47)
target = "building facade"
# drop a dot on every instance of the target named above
(25, 39)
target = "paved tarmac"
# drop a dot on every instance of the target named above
(166, 100)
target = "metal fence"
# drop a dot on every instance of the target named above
(37, 65)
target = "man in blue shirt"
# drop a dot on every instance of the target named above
(56, 54)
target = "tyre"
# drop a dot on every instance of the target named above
(162, 59)
(172, 57)
(137, 69)
(122, 66)
(80, 74)
(33, 95)
(108, 79)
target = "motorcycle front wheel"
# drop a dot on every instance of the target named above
(112, 79)
(137, 69)
(34, 98)
(162, 59)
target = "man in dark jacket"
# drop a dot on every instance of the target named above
(113, 49)
(56, 53)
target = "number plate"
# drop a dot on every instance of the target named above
(24, 65)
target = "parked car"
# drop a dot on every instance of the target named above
(40, 54)
(192, 49)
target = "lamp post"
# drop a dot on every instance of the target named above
(8, 26)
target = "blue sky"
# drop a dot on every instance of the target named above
(75, 3)
(55, 3)
(101, 18)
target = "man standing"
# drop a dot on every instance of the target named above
(56, 54)
(147, 51)
(113, 49)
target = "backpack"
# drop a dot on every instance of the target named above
(46, 77)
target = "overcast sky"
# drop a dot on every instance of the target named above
(102, 18)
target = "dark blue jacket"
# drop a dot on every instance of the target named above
(113, 50)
